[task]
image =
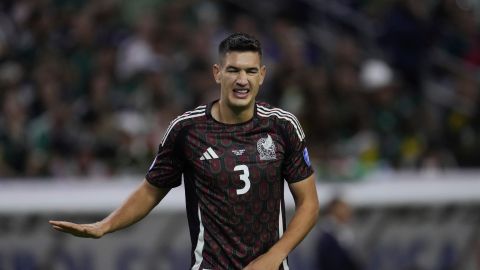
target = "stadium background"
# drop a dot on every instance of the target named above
(387, 92)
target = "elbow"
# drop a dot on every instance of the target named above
(313, 210)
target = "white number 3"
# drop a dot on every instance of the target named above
(244, 177)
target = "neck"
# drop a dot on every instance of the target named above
(227, 115)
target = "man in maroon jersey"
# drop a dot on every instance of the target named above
(235, 155)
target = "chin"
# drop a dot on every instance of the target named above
(241, 103)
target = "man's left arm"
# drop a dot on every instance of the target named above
(306, 214)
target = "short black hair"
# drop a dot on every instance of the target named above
(239, 42)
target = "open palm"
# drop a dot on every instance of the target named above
(92, 230)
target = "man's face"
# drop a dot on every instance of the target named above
(240, 76)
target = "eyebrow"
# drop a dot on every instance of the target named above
(246, 69)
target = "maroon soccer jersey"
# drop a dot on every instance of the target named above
(234, 178)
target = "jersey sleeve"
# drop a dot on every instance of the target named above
(167, 167)
(297, 164)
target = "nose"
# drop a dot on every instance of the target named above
(242, 78)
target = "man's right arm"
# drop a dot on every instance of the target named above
(136, 207)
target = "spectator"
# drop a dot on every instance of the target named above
(71, 72)
(336, 244)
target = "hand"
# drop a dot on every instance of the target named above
(93, 230)
(267, 261)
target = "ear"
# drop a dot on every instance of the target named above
(216, 69)
(263, 72)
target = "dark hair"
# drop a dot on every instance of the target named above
(239, 42)
(334, 202)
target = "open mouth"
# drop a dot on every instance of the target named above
(241, 92)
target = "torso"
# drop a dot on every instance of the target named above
(234, 178)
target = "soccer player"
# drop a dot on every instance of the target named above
(234, 154)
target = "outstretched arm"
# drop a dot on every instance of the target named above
(306, 214)
(136, 207)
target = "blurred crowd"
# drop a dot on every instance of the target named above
(87, 88)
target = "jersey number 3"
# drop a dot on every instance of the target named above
(244, 177)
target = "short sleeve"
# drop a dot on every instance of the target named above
(297, 164)
(167, 167)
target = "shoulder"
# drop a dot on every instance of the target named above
(283, 118)
(191, 116)
(185, 120)
(266, 110)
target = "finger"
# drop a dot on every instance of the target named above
(54, 222)
(67, 230)
(60, 223)
(77, 232)
(64, 228)
(75, 229)
(66, 225)
(59, 227)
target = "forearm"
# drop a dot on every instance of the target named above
(302, 222)
(304, 218)
(134, 208)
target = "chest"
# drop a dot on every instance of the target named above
(223, 153)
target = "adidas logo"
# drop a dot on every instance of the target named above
(209, 154)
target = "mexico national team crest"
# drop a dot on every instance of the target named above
(266, 148)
